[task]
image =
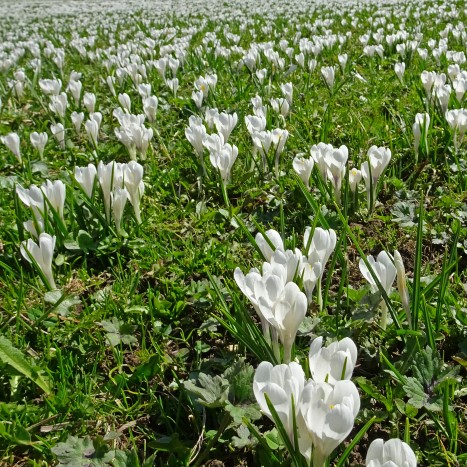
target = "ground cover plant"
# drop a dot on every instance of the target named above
(233, 233)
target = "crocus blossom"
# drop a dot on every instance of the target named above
(42, 253)
(392, 453)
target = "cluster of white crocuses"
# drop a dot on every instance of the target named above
(269, 143)
(323, 408)
(221, 153)
(119, 183)
(332, 166)
(274, 291)
(132, 132)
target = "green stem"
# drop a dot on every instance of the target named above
(224, 424)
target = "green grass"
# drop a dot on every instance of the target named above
(145, 317)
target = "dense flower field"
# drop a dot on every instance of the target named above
(233, 233)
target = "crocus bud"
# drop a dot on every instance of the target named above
(355, 176)
(85, 177)
(133, 180)
(420, 127)
(225, 123)
(55, 193)
(125, 101)
(39, 140)
(89, 101)
(58, 131)
(110, 177)
(328, 73)
(42, 254)
(303, 167)
(118, 199)
(92, 131)
(274, 239)
(77, 120)
(11, 141)
(402, 285)
(399, 69)
(150, 108)
(393, 452)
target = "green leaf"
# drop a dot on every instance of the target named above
(83, 452)
(243, 439)
(118, 332)
(212, 391)
(86, 242)
(15, 358)
(240, 377)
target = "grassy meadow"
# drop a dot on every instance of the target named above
(193, 193)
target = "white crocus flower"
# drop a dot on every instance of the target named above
(11, 141)
(58, 104)
(42, 254)
(246, 283)
(342, 59)
(225, 124)
(118, 199)
(443, 93)
(110, 177)
(197, 97)
(50, 86)
(280, 106)
(334, 362)
(39, 140)
(317, 251)
(92, 131)
(399, 69)
(172, 84)
(303, 167)
(33, 198)
(85, 177)
(336, 162)
(319, 152)
(287, 91)
(89, 101)
(327, 417)
(210, 117)
(281, 383)
(328, 73)
(34, 227)
(125, 101)
(75, 89)
(58, 131)
(392, 453)
(385, 271)
(285, 314)
(420, 128)
(196, 134)
(77, 120)
(274, 239)
(457, 120)
(223, 160)
(150, 108)
(355, 176)
(55, 193)
(133, 181)
(378, 160)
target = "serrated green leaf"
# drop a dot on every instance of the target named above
(211, 391)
